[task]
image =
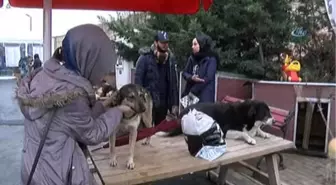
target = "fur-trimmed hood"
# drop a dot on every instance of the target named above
(52, 86)
(147, 50)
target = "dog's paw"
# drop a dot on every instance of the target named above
(130, 164)
(251, 141)
(146, 142)
(113, 162)
(266, 136)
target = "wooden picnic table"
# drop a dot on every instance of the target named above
(169, 157)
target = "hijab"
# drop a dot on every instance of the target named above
(87, 50)
(205, 43)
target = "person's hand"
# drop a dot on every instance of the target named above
(197, 79)
(107, 101)
(194, 77)
(125, 109)
(175, 110)
(111, 100)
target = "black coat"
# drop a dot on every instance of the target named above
(147, 75)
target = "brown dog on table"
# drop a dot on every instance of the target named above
(140, 101)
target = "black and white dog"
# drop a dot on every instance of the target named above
(239, 120)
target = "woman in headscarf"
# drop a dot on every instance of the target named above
(61, 93)
(200, 71)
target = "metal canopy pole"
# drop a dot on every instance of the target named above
(47, 17)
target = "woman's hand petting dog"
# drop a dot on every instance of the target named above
(110, 101)
(125, 109)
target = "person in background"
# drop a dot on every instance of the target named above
(24, 66)
(37, 62)
(63, 96)
(200, 70)
(156, 71)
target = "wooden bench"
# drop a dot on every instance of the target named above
(282, 118)
(169, 157)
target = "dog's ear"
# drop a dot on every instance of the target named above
(252, 111)
(115, 98)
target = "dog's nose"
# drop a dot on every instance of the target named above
(142, 108)
(273, 121)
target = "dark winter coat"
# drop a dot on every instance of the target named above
(147, 75)
(205, 91)
(66, 98)
(203, 64)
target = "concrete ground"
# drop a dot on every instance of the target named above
(11, 134)
(9, 110)
(11, 138)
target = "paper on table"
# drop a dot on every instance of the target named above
(188, 100)
(211, 153)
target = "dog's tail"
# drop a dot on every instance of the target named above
(172, 133)
(162, 134)
(178, 130)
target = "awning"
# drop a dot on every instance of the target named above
(156, 6)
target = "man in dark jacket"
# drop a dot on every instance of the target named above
(156, 71)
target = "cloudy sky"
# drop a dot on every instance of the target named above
(15, 22)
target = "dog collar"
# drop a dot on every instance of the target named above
(130, 117)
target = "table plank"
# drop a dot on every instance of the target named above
(169, 157)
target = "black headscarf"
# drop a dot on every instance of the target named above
(205, 43)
